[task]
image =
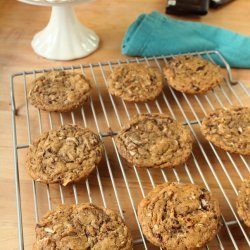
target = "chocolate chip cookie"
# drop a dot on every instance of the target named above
(229, 129)
(135, 82)
(82, 227)
(192, 74)
(154, 140)
(59, 91)
(243, 201)
(179, 216)
(67, 154)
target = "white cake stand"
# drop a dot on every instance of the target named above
(64, 38)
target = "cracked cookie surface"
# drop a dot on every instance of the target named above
(81, 227)
(179, 216)
(154, 140)
(59, 91)
(192, 74)
(229, 129)
(243, 201)
(135, 82)
(67, 154)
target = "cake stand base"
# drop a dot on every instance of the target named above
(64, 38)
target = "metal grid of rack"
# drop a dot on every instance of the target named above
(115, 184)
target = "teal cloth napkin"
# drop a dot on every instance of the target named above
(156, 35)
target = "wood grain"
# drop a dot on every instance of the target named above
(110, 19)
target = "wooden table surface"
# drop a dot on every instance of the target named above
(110, 19)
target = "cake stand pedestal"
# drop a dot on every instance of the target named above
(64, 38)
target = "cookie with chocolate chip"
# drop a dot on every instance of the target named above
(243, 201)
(192, 74)
(154, 140)
(179, 216)
(135, 82)
(81, 227)
(229, 129)
(59, 91)
(67, 154)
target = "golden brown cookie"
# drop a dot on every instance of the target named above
(135, 82)
(59, 91)
(179, 216)
(192, 74)
(67, 154)
(243, 201)
(82, 227)
(154, 140)
(229, 129)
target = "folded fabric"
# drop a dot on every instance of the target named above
(156, 34)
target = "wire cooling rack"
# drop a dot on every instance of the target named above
(115, 184)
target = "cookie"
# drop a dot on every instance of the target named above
(192, 74)
(135, 82)
(59, 91)
(82, 227)
(243, 201)
(179, 216)
(229, 129)
(67, 154)
(154, 140)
